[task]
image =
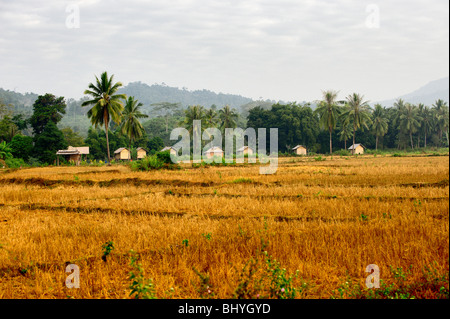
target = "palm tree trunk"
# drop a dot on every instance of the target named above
(376, 143)
(354, 133)
(425, 138)
(410, 137)
(107, 142)
(105, 120)
(331, 147)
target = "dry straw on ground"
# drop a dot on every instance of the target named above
(203, 232)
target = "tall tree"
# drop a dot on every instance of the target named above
(21, 146)
(228, 117)
(359, 113)
(380, 123)
(410, 121)
(345, 132)
(442, 119)
(328, 111)
(106, 104)
(167, 109)
(72, 138)
(427, 122)
(46, 108)
(131, 126)
(7, 129)
(193, 112)
(211, 117)
(48, 143)
(399, 109)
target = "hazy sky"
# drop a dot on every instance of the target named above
(287, 50)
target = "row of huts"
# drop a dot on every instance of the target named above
(75, 154)
(246, 150)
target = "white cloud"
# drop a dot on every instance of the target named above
(284, 49)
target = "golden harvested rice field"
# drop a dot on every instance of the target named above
(229, 232)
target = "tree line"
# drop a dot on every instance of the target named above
(333, 123)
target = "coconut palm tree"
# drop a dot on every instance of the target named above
(228, 117)
(427, 122)
(345, 128)
(328, 111)
(358, 111)
(211, 118)
(380, 123)
(191, 114)
(442, 118)
(130, 124)
(399, 109)
(106, 104)
(410, 121)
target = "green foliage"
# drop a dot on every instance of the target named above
(106, 104)
(131, 114)
(147, 163)
(205, 289)
(21, 146)
(7, 129)
(208, 236)
(263, 277)
(328, 111)
(15, 163)
(164, 157)
(96, 140)
(72, 138)
(107, 247)
(297, 124)
(48, 143)
(319, 159)
(400, 287)
(342, 153)
(5, 151)
(364, 218)
(242, 180)
(155, 144)
(141, 288)
(47, 108)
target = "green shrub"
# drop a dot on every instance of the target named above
(107, 247)
(319, 159)
(242, 181)
(141, 287)
(15, 163)
(342, 153)
(164, 157)
(147, 163)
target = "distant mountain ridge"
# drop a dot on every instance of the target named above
(427, 94)
(148, 94)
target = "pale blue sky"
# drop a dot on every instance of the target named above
(287, 50)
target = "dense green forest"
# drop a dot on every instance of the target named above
(33, 127)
